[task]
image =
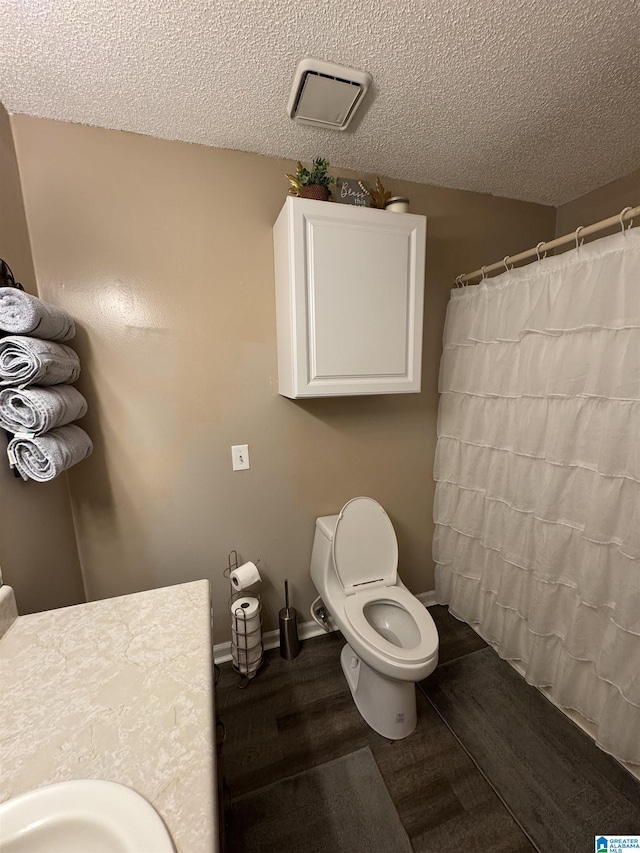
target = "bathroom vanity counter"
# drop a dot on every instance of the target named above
(120, 690)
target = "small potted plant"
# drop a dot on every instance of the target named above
(312, 184)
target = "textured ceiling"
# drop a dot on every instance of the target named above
(530, 99)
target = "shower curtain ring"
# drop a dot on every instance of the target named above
(578, 230)
(626, 210)
(541, 243)
(484, 275)
(505, 261)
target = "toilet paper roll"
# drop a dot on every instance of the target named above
(245, 622)
(244, 576)
(251, 640)
(246, 634)
(246, 662)
(248, 656)
(248, 669)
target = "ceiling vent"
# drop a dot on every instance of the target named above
(326, 95)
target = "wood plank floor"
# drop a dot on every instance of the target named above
(550, 774)
(299, 714)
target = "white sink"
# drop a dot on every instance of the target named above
(81, 816)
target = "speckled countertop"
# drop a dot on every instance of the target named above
(121, 690)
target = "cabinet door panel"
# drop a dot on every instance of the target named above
(358, 281)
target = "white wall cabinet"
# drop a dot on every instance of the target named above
(349, 299)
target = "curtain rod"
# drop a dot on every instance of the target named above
(580, 232)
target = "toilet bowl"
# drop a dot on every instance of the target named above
(392, 641)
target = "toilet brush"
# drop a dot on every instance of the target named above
(289, 642)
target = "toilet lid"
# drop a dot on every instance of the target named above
(365, 548)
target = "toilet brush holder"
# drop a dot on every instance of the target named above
(289, 640)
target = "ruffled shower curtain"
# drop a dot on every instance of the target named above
(537, 505)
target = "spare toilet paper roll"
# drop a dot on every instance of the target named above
(249, 656)
(245, 667)
(244, 576)
(245, 622)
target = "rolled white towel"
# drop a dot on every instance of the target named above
(24, 314)
(46, 456)
(30, 361)
(38, 410)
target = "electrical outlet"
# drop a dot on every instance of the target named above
(240, 457)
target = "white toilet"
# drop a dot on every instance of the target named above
(392, 641)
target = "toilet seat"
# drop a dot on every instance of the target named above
(400, 596)
(364, 547)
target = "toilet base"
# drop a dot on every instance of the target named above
(389, 707)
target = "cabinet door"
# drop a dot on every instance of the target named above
(359, 280)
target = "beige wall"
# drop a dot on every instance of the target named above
(15, 247)
(162, 251)
(38, 553)
(602, 203)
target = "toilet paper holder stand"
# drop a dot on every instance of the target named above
(247, 650)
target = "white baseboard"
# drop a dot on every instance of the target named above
(427, 598)
(306, 630)
(271, 639)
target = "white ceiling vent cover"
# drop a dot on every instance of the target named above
(326, 95)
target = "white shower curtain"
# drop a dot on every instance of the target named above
(537, 505)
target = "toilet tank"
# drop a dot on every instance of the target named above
(321, 556)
